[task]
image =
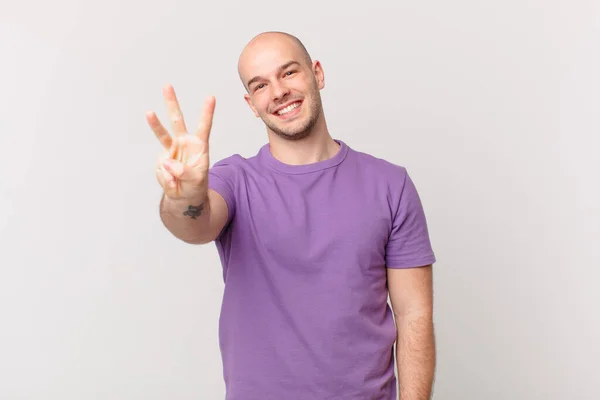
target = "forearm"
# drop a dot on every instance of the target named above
(188, 220)
(416, 356)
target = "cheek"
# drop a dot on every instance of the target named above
(263, 107)
(259, 105)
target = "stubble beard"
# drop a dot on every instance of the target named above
(304, 130)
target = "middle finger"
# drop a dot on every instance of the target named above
(175, 114)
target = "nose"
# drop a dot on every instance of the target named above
(279, 91)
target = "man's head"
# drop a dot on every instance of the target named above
(282, 84)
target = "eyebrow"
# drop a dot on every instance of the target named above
(282, 67)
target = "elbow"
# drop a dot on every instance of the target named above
(197, 240)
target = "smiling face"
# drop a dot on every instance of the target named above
(283, 85)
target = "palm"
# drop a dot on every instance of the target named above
(183, 166)
(192, 154)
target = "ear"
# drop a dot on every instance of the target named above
(319, 74)
(249, 101)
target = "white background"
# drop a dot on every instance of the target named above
(492, 106)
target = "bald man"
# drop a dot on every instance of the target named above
(313, 236)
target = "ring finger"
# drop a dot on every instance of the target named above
(159, 130)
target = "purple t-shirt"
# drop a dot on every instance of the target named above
(304, 255)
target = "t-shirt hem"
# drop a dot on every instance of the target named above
(414, 263)
(220, 186)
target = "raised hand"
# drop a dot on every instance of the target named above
(182, 168)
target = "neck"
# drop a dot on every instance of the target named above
(318, 146)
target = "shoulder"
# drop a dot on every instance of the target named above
(234, 164)
(232, 161)
(378, 169)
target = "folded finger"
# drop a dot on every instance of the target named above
(174, 168)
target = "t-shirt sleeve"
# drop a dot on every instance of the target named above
(409, 244)
(222, 178)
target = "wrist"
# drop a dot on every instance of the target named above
(185, 206)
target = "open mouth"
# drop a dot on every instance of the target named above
(289, 111)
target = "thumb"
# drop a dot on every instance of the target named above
(175, 168)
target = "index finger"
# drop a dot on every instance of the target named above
(206, 119)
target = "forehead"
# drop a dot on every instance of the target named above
(264, 58)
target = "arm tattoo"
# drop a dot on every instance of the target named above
(194, 211)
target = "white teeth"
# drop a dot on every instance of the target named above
(288, 108)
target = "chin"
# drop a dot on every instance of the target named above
(292, 136)
(299, 131)
(300, 127)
